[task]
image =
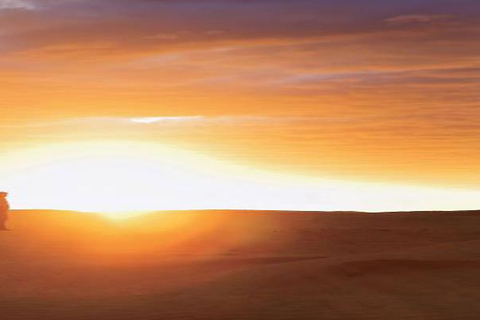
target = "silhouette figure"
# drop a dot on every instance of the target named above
(4, 208)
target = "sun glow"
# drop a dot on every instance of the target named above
(119, 179)
(127, 178)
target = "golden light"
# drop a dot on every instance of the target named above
(124, 178)
(115, 178)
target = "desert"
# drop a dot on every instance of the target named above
(241, 265)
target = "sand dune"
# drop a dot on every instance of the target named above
(241, 265)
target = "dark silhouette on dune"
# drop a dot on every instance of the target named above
(4, 210)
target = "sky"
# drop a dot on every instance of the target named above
(383, 93)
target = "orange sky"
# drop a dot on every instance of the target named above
(377, 91)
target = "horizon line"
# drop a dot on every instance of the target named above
(246, 210)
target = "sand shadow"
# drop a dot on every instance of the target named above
(387, 266)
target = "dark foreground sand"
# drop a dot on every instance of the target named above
(241, 265)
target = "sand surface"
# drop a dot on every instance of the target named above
(241, 265)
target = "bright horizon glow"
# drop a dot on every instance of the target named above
(121, 179)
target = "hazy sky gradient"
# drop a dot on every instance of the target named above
(360, 90)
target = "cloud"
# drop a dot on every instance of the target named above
(234, 120)
(185, 121)
(17, 4)
(145, 27)
(165, 120)
(418, 19)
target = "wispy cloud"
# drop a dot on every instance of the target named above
(150, 122)
(167, 120)
(418, 19)
(17, 4)
(233, 120)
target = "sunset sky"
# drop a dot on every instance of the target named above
(349, 96)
